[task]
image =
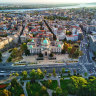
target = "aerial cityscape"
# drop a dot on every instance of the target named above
(47, 48)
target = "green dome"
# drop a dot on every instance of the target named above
(45, 41)
(31, 46)
(32, 40)
(57, 40)
(59, 45)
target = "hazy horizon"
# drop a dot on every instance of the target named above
(47, 1)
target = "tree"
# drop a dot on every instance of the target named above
(39, 74)
(73, 50)
(69, 41)
(27, 52)
(13, 74)
(74, 72)
(40, 55)
(24, 47)
(63, 70)
(45, 71)
(9, 59)
(39, 71)
(33, 75)
(63, 51)
(14, 82)
(69, 49)
(10, 75)
(49, 82)
(64, 40)
(91, 77)
(68, 33)
(24, 74)
(54, 72)
(58, 91)
(65, 47)
(13, 90)
(69, 72)
(49, 74)
(16, 74)
(79, 86)
(14, 53)
(71, 88)
(29, 40)
(85, 74)
(79, 81)
(16, 88)
(51, 55)
(76, 53)
(43, 89)
(5, 93)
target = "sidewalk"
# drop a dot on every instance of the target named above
(24, 88)
(8, 79)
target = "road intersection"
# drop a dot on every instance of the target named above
(84, 64)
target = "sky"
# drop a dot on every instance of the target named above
(47, 1)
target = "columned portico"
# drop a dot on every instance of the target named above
(45, 53)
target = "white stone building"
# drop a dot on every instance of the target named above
(46, 47)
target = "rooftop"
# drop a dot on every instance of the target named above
(45, 41)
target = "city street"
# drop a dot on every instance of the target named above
(84, 65)
(85, 61)
(5, 56)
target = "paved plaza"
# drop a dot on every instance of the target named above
(59, 59)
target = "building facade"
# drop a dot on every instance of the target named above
(46, 47)
(92, 43)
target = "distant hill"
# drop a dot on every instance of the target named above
(93, 3)
(35, 6)
(32, 6)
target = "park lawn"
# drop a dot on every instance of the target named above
(64, 83)
(16, 90)
(34, 89)
(64, 86)
(66, 76)
(52, 86)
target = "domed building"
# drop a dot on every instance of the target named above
(45, 42)
(32, 40)
(45, 47)
(59, 46)
(31, 46)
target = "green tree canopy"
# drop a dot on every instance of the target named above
(79, 81)
(24, 74)
(5, 93)
(58, 91)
